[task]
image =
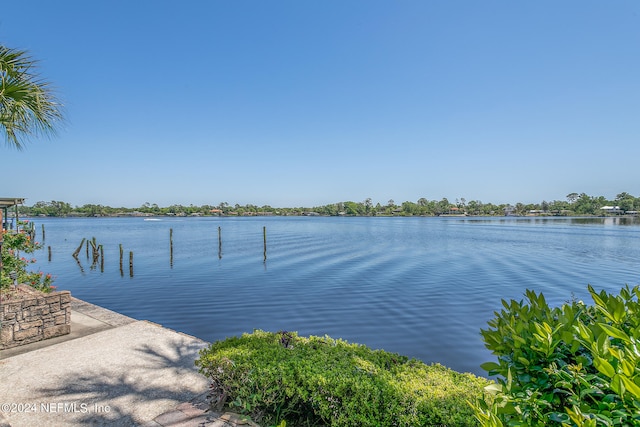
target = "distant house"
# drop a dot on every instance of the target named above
(510, 210)
(611, 210)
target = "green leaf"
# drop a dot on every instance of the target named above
(490, 366)
(618, 310)
(627, 367)
(493, 388)
(604, 366)
(631, 386)
(602, 345)
(596, 298)
(614, 332)
(584, 332)
(617, 385)
(519, 339)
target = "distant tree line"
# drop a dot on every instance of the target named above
(575, 204)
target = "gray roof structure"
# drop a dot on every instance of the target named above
(7, 202)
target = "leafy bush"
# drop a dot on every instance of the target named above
(319, 381)
(575, 365)
(14, 244)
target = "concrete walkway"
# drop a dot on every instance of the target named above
(111, 370)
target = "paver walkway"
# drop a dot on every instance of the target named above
(110, 371)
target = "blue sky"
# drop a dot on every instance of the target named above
(305, 103)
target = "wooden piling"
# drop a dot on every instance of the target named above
(264, 236)
(101, 259)
(171, 247)
(130, 264)
(43, 232)
(219, 243)
(95, 252)
(77, 251)
(121, 254)
(49, 249)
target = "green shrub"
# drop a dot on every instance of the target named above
(575, 365)
(318, 381)
(15, 245)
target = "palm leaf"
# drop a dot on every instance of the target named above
(28, 105)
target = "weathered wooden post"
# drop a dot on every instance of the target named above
(171, 247)
(121, 254)
(219, 243)
(49, 249)
(101, 259)
(130, 264)
(43, 232)
(264, 235)
(77, 251)
(95, 251)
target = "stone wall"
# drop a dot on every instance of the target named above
(34, 316)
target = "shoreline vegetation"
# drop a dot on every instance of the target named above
(574, 205)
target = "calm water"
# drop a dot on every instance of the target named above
(422, 287)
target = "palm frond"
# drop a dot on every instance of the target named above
(28, 105)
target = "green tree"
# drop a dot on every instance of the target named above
(474, 207)
(368, 205)
(572, 197)
(53, 208)
(560, 207)
(626, 201)
(145, 208)
(443, 206)
(410, 208)
(588, 205)
(28, 105)
(353, 208)
(92, 210)
(544, 205)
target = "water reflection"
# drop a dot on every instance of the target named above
(609, 220)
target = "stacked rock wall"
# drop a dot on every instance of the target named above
(34, 316)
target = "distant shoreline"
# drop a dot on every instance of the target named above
(575, 205)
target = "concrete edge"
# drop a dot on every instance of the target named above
(100, 313)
